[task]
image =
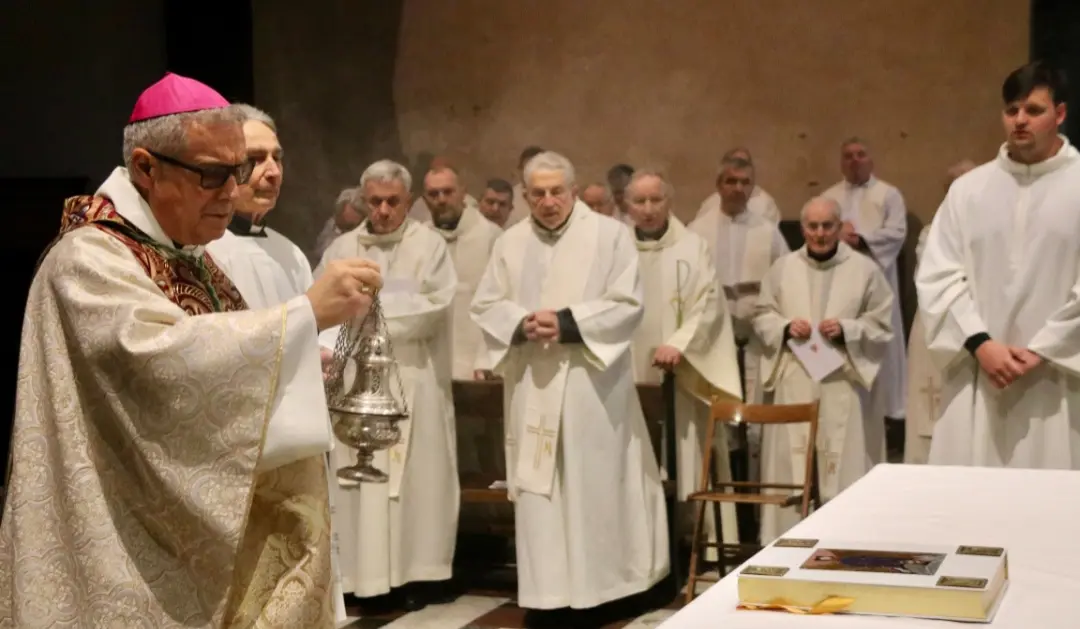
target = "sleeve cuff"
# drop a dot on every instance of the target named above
(975, 341)
(568, 327)
(519, 334)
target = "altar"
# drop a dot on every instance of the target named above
(1032, 513)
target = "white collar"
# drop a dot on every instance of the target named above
(871, 180)
(135, 210)
(1065, 155)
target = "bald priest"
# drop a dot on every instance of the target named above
(153, 482)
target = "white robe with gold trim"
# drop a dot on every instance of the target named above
(851, 288)
(405, 530)
(924, 386)
(589, 505)
(684, 310)
(743, 248)
(1002, 258)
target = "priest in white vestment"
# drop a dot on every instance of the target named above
(999, 293)
(760, 201)
(924, 378)
(744, 246)
(266, 267)
(558, 305)
(828, 288)
(404, 531)
(152, 480)
(469, 240)
(875, 219)
(686, 330)
(521, 209)
(348, 213)
(497, 202)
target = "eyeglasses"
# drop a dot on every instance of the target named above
(213, 176)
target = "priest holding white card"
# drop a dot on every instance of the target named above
(686, 329)
(558, 305)
(403, 531)
(824, 318)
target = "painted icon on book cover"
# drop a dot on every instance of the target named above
(890, 562)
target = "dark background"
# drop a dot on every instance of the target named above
(71, 71)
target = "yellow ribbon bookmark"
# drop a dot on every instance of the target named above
(831, 605)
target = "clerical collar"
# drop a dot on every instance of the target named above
(823, 257)
(556, 232)
(738, 217)
(866, 184)
(243, 226)
(656, 235)
(130, 204)
(1065, 155)
(448, 225)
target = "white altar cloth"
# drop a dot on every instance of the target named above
(1034, 514)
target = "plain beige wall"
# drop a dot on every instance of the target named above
(675, 83)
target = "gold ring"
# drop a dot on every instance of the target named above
(368, 289)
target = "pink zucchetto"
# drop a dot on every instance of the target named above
(175, 94)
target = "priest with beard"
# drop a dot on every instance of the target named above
(842, 294)
(686, 329)
(154, 479)
(999, 292)
(266, 267)
(558, 305)
(469, 240)
(397, 538)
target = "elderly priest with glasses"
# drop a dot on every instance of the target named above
(150, 484)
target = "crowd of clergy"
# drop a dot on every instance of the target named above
(571, 293)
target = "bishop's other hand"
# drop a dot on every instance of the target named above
(799, 329)
(344, 291)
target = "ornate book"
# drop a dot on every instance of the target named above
(964, 583)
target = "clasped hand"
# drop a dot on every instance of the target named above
(800, 329)
(1004, 364)
(541, 326)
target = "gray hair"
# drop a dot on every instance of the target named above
(854, 140)
(608, 194)
(168, 134)
(256, 115)
(348, 196)
(550, 160)
(735, 152)
(734, 163)
(833, 205)
(641, 173)
(387, 170)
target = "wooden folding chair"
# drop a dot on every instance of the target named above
(745, 492)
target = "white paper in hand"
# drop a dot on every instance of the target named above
(818, 356)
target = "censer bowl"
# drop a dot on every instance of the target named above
(367, 433)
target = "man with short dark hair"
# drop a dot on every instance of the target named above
(497, 201)
(999, 292)
(618, 177)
